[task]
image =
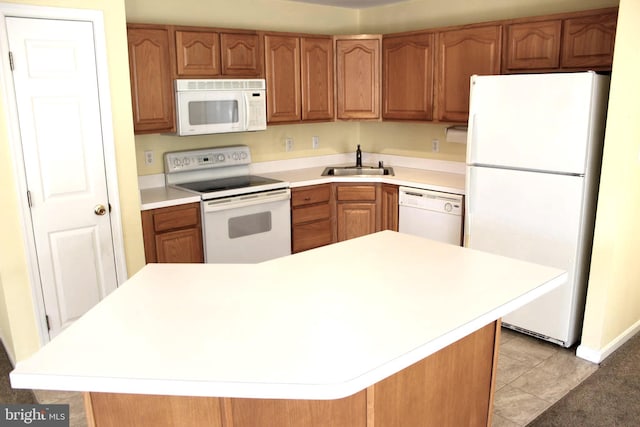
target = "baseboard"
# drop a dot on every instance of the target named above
(598, 355)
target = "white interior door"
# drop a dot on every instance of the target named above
(57, 99)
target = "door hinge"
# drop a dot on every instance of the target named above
(46, 317)
(29, 199)
(11, 60)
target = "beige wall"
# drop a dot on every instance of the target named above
(613, 301)
(17, 320)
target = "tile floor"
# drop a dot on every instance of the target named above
(532, 375)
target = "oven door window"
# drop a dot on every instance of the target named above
(213, 112)
(246, 225)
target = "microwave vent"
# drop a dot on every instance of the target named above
(219, 84)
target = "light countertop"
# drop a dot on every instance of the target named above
(419, 175)
(321, 324)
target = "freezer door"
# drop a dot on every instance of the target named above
(535, 217)
(534, 121)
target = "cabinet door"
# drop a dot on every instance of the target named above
(588, 41)
(407, 77)
(282, 61)
(151, 84)
(241, 55)
(462, 53)
(173, 234)
(180, 246)
(197, 53)
(317, 78)
(358, 78)
(389, 207)
(533, 45)
(355, 220)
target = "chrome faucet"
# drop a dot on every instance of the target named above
(358, 157)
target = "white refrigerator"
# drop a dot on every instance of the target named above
(534, 149)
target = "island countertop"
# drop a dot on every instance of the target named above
(320, 324)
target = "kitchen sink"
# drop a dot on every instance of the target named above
(356, 171)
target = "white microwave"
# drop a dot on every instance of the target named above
(205, 106)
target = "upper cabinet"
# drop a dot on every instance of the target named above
(358, 77)
(460, 54)
(567, 42)
(317, 78)
(210, 53)
(407, 69)
(588, 41)
(151, 80)
(532, 45)
(282, 64)
(299, 74)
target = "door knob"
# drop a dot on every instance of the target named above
(100, 210)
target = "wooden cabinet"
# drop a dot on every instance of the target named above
(317, 78)
(389, 207)
(282, 63)
(151, 81)
(311, 217)
(407, 77)
(209, 53)
(356, 210)
(564, 42)
(532, 45)
(588, 41)
(173, 234)
(299, 73)
(462, 53)
(358, 77)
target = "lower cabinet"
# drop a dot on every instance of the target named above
(329, 213)
(311, 217)
(173, 234)
(357, 210)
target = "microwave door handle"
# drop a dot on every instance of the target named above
(245, 98)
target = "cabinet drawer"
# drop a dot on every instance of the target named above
(356, 192)
(311, 213)
(169, 219)
(316, 194)
(311, 235)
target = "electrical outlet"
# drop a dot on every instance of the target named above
(288, 144)
(148, 157)
(315, 142)
(435, 145)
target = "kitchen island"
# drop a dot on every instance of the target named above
(383, 330)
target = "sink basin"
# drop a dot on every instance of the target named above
(356, 171)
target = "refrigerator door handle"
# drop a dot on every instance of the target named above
(473, 129)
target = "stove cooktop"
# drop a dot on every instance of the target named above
(226, 186)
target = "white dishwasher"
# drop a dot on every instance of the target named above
(431, 214)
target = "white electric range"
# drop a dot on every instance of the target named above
(245, 218)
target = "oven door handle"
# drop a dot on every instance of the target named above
(245, 200)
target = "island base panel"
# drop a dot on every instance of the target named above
(452, 387)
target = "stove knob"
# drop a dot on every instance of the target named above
(235, 156)
(220, 158)
(176, 162)
(186, 161)
(243, 155)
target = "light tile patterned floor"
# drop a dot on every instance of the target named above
(532, 375)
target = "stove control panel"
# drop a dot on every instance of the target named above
(215, 157)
